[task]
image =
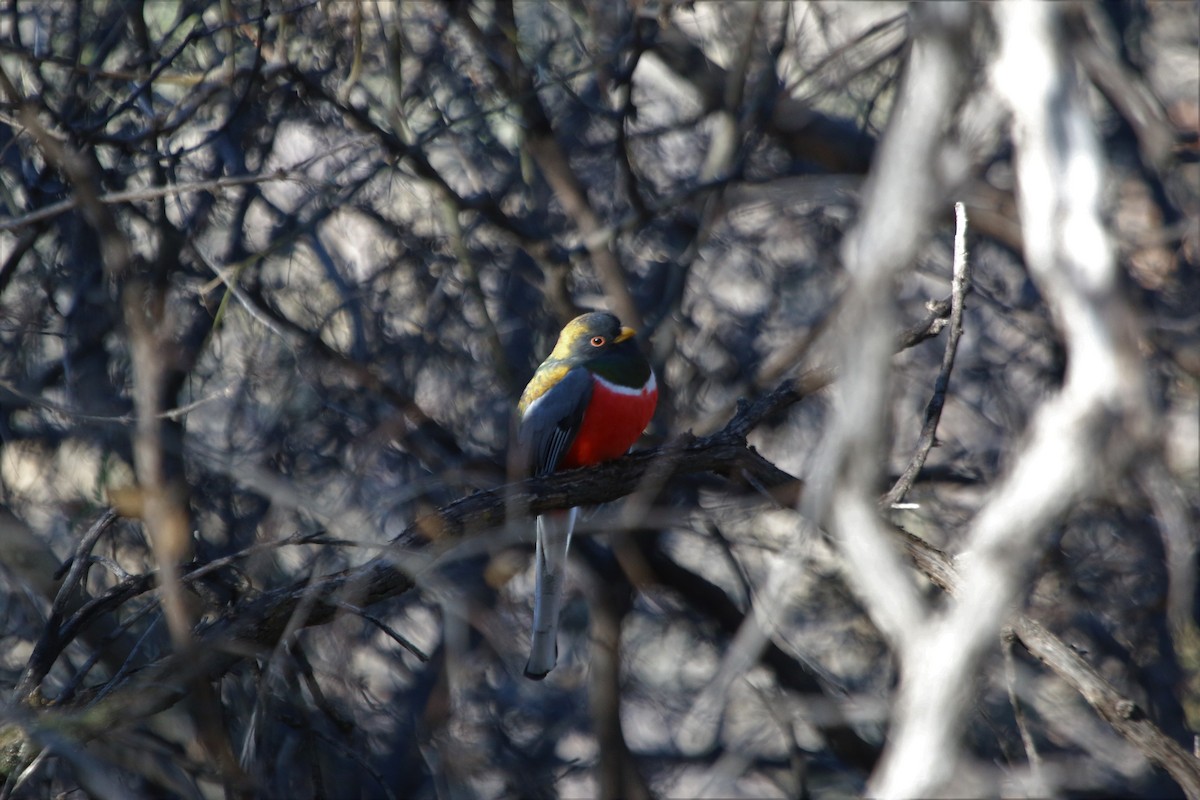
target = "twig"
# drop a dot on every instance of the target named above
(392, 633)
(475, 289)
(317, 537)
(749, 415)
(134, 195)
(14, 781)
(623, 90)
(1181, 541)
(359, 757)
(173, 414)
(1010, 682)
(134, 586)
(51, 642)
(304, 666)
(127, 666)
(699, 730)
(793, 673)
(544, 148)
(72, 686)
(959, 286)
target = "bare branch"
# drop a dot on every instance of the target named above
(67, 601)
(215, 185)
(1115, 707)
(960, 284)
(901, 199)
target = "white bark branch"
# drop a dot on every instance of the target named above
(1077, 439)
(901, 197)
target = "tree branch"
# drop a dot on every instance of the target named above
(960, 285)
(1077, 440)
(1121, 712)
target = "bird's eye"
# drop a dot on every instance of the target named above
(598, 341)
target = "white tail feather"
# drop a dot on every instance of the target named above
(550, 567)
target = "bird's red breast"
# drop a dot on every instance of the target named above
(612, 422)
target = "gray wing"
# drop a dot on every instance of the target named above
(551, 422)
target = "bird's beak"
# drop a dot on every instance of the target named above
(626, 333)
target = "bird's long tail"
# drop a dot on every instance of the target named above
(553, 539)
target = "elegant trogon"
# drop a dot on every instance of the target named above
(588, 402)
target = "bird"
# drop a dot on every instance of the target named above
(588, 402)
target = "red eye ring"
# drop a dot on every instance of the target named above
(598, 341)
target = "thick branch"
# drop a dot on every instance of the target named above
(1121, 712)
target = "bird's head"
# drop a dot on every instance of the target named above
(591, 336)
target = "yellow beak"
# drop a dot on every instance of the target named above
(626, 333)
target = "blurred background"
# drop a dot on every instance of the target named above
(273, 275)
